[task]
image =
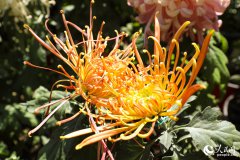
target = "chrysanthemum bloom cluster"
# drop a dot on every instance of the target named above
(128, 98)
(203, 14)
(149, 93)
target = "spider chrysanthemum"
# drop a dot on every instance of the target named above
(150, 92)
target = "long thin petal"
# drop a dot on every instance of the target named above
(97, 137)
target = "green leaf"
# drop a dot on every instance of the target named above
(18, 115)
(235, 79)
(41, 54)
(215, 70)
(41, 96)
(216, 65)
(172, 157)
(130, 150)
(190, 156)
(3, 150)
(220, 60)
(177, 155)
(68, 8)
(165, 141)
(57, 149)
(206, 129)
(13, 156)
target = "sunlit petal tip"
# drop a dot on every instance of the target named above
(36, 112)
(187, 23)
(211, 32)
(174, 118)
(136, 34)
(184, 25)
(179, 103)
(62, 137)
(58, 123)
(174, 40)
(181, 29)
(30, 134)
(26, 26)
(202, 86)
(110, 139)
(78, 147)
(122, 136)
(150, 37)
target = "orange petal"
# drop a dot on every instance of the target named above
(100, 136)
(190, 91)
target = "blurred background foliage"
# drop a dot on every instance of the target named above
(19, 85)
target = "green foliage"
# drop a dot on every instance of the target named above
(21, 94)
(165, 141)
(234, 64)
(203, 129)
(16, 120)
(216, 61)
(65, 149)
(131, 150)
(215, 72)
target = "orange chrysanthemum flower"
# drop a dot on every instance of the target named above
(149, 92)
(127, 97)
(92, 70)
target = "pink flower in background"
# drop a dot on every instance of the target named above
(203, 15)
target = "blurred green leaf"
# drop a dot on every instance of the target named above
(174, 156)
(235, 79)
(68, 8)
(41, 55)
(191, 156)
(13, 156)
(234, 57)
(216, 62)
(3, 150)
(41, 96)
(131, 150)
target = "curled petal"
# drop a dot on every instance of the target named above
(190, 91)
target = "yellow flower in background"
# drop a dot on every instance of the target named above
(148, 93)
